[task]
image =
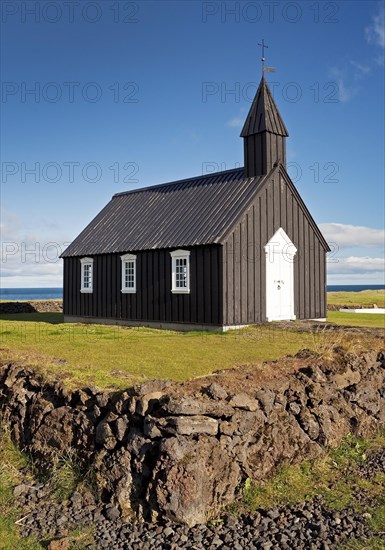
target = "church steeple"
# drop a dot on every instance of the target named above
(264, 134)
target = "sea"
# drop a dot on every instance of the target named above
(56, 293)
(353, 288)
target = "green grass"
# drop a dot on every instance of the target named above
(12, 463)
(78, 539)
(82, 538)
(334, 476)
(14, 468)
(364, 298)
(371, 320)
(10, 539)
(338, 317)
(364, 544)
(65, 478)
(116, 357)
(43, 317)
(352, 451)
(377, 522)
(113, 356)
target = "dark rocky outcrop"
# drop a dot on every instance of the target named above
(34, 306)
(180, 451)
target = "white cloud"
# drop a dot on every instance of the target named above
(236, 122)
(30, 255)
(353, 70)
(360, 70)
(354, 268)
(373, 278)
(356, 265)
(375, 32)
(345, 91)
(347, 236)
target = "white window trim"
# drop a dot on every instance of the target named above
(128, 258)
(177, 254)
(83, 262)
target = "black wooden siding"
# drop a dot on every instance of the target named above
(153, 300)
(244, 265)
(262, 151)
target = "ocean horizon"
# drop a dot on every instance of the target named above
(56, 293)
(353, 288)
(51, 293)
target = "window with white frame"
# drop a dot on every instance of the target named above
(86, 274)
(128, 273)
(180, 271)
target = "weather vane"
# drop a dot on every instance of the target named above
(263, 59)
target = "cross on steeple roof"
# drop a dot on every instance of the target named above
(263, 59)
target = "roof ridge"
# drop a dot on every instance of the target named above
(157, 186)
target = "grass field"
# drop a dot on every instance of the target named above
(112, 356)
(338, 317)
(371, 320)
(46, 317)
(364, 298)
(116, 357)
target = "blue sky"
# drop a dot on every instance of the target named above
(101, 97)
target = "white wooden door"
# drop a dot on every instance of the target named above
(280, 253)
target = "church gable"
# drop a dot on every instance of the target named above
(277, 205)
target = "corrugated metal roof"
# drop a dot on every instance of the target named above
(264, 115)
(188, 212)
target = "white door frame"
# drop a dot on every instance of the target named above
(280, 253)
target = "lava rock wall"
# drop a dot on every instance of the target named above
(162, 450)
(34, 306)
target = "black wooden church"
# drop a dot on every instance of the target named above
(221, 250)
